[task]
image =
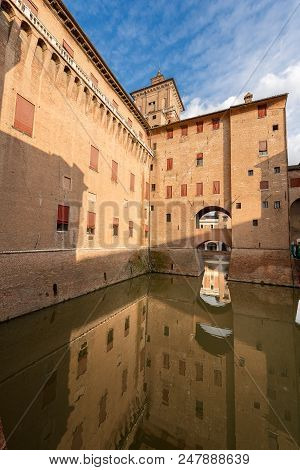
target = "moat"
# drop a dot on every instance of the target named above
(156, 362)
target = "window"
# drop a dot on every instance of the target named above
(276, 204)
(238, 205)
(295, 182)
(124, 381)
(154, 116)
(199, 189)
(216, 187)
(32, 6)
(151, 167)
(169, 192)
(169, 133)
(169, 164)
(199, 372)
(218, 378)
(24, 116)
(166, 331)
(261, 111)
(94, 157)
(250, 172)
(130, 227)
(115, 227)
(147, 191)
(153, 187)
(94, 80)
(182, 367)
(67, 183)
(264, 185)
(132, 181)
(263, 148)
(146, 231)
(256, 405)
(166, 361)
(114, 171)
(165, 397)
(154, 146)
(110, 339)
(199, 159)
(216, 123)
(275, 127)
(126, 326)
(63, 218)
(265, 204)
(184, 190)
(255, 222)
(184, 131)
(82, 360)
(277, 169)
(152, 208)
(115, 104)
(199, 409)
(68, 48)
(199, 127)
(91, 223)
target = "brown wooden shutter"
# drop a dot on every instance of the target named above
(264, 185)
(216, 187)
(199, 127)
(216, 123)
(91, 223)
(32, 6)
(199, 189)
(184, 130)
(63, 214)
(147, 191)
(169, 133)
(169, 192)
(169, 163)
(263, 146)
(184, 190)
(24, 115)
(94, 158)
(132, 181)
(68, 48)
(94, 80)
(295, 182)
(114, 171)
(261, 111)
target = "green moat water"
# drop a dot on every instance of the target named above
(157, 362)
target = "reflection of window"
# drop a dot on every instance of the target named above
(110, 339)
(127, 325)
(199, 372)
(277, 169)
(199, 409)
(168, 217)
(166, 331)
(276, 204)
(250, 172)
(165, 396)
(238, 205)
(218, 378)
(166, 361)
(182, 367)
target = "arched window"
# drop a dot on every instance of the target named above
(7, 10)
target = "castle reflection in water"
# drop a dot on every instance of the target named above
(156, 362)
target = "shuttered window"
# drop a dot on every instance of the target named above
(184, 130)
(263, 147)
(199, 159)
(132, 181)
(264, 185)
(169, 133)
(216, 187)
(63, 218)
(114, 171)
(216, 123)
(68, 48)
(147, 191)
(94, 80)
(261, 111)
(295, 182)
(199, 127)
(24, 116)
(32, 6)
(184, 190)
(91, 223)
(94, 158)
(169, 164)
(165, 397)
(199, 189)
(169, 192)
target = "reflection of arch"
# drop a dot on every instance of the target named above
(208, 245)
(212, 338)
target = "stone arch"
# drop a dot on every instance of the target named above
(25, 28)
(55, 59)
(7, 9)
(41, 44)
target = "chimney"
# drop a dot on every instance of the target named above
(248, 97)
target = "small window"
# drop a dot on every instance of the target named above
(216, 124)
(24, 116)
(67, 183)
(265, 204)
(151, 167)
(250, 172)
(115, 227)
(184, 131)
(130, 227)
(199, 159)
(183, 190)
(114, 171)
(256, 405)
(199, 127)
(152, 208)
(238, 205)
(169, 164)
(153, 187)
(277, 169)
(63, 218)
(166, 331)
(261, 111)
(132, 181)
(276, 204)
(165, 397)
(168, 217)
(216, 187)
(199, 189)
(169, 133)
(169, 192)
(91, 223)
(110, 339)
(263, 148)
(154, 146)
(264, 185)
(154, 116)
(68, 48)
(275, 127)
(94, 158)
(126, 326)
(255, 222)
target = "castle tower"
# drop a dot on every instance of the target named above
(159, 102)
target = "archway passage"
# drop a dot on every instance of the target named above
(295, 228)
(213, 228)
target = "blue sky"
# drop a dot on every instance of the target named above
(215, 49)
